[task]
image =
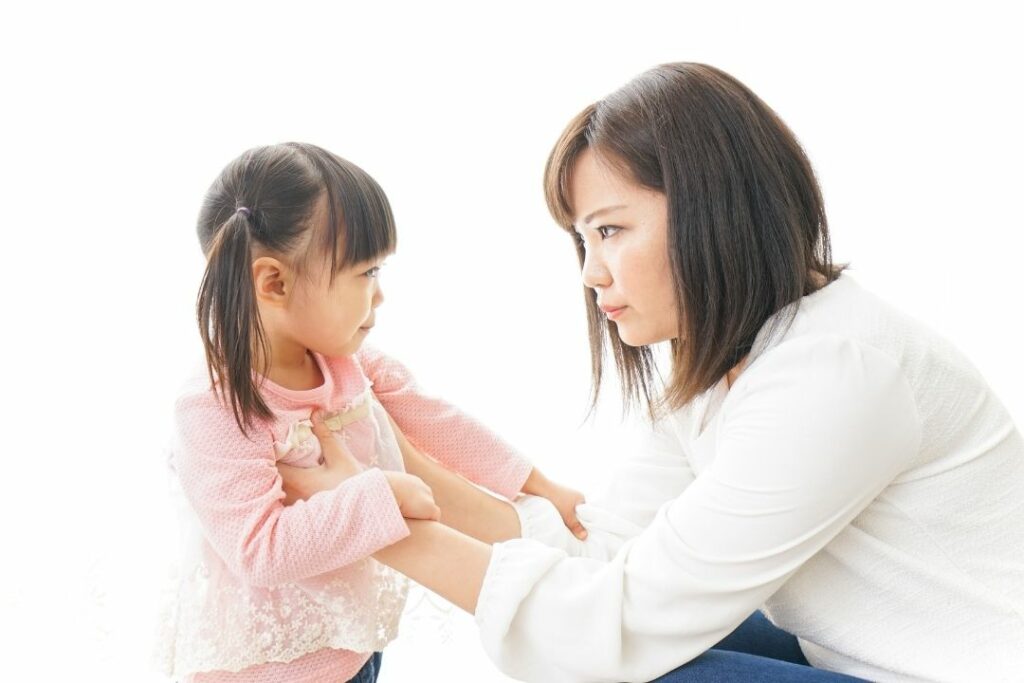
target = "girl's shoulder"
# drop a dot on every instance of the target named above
(200, 408)
(384, 372)
(197, 390)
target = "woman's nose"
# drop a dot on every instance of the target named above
(595, 272)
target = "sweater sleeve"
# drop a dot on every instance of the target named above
(233, 485)
(657, 472)
(808, 436)
(457, 440)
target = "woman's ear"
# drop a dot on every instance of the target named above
(272, 280)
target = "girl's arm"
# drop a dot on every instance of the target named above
(464, 507)
(458, 441)
(231, 483)
(642, 482)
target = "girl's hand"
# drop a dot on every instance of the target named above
(336, 456)
(300, 483)
(415, 499)
(563, 498)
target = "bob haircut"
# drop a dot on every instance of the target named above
(747, 228)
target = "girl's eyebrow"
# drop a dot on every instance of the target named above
(597, 213)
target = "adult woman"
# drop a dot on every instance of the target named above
(817, 453)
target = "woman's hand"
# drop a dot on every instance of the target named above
(563, 498)
(299, 483)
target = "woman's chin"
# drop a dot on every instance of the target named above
(637, 338)
(631, 338)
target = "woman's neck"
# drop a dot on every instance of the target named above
(732, 375)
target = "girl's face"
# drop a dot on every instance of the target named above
(334, 318)
(624, 230)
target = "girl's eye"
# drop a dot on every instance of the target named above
(607, 231)
(372, 272)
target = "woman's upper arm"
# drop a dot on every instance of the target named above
(811, 435)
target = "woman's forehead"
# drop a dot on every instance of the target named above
(594, 186)
(598, 187)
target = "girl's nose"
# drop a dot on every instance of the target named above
(378, 297)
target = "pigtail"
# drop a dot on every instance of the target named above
(229, 320)
(286, 182)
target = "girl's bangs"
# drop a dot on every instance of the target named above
(359, 225)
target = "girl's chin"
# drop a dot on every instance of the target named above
(353, 345)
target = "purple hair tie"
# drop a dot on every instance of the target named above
(244, 211)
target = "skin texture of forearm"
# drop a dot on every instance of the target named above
(443, 560)
(464, 507)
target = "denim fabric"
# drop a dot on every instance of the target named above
(370, 670)
(755, 652)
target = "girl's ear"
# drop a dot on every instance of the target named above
(272, 280)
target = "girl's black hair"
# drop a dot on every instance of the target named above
(266, 201)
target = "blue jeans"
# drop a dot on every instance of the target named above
(369, 672)
(756, 651)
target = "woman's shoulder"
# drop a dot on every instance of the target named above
(864, 318)
(853, 342)
(828, 389)
(821, 361)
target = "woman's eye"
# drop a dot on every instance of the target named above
(607, 231)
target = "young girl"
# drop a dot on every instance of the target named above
(276, 589)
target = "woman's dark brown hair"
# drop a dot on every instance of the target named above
(266, 202)
(747, 227)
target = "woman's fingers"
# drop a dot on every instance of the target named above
(566, 500)
(568, 511)
(576, 528)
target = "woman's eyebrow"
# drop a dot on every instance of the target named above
(591, 216)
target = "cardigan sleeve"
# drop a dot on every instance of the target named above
(808, 436)
(641, 482)
(457, 440)
(233, 485)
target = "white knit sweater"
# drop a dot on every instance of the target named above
(859, 481)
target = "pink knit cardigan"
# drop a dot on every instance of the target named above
(268, 593)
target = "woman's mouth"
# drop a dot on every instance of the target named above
(613, 312)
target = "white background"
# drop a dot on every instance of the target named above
(117, 117)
